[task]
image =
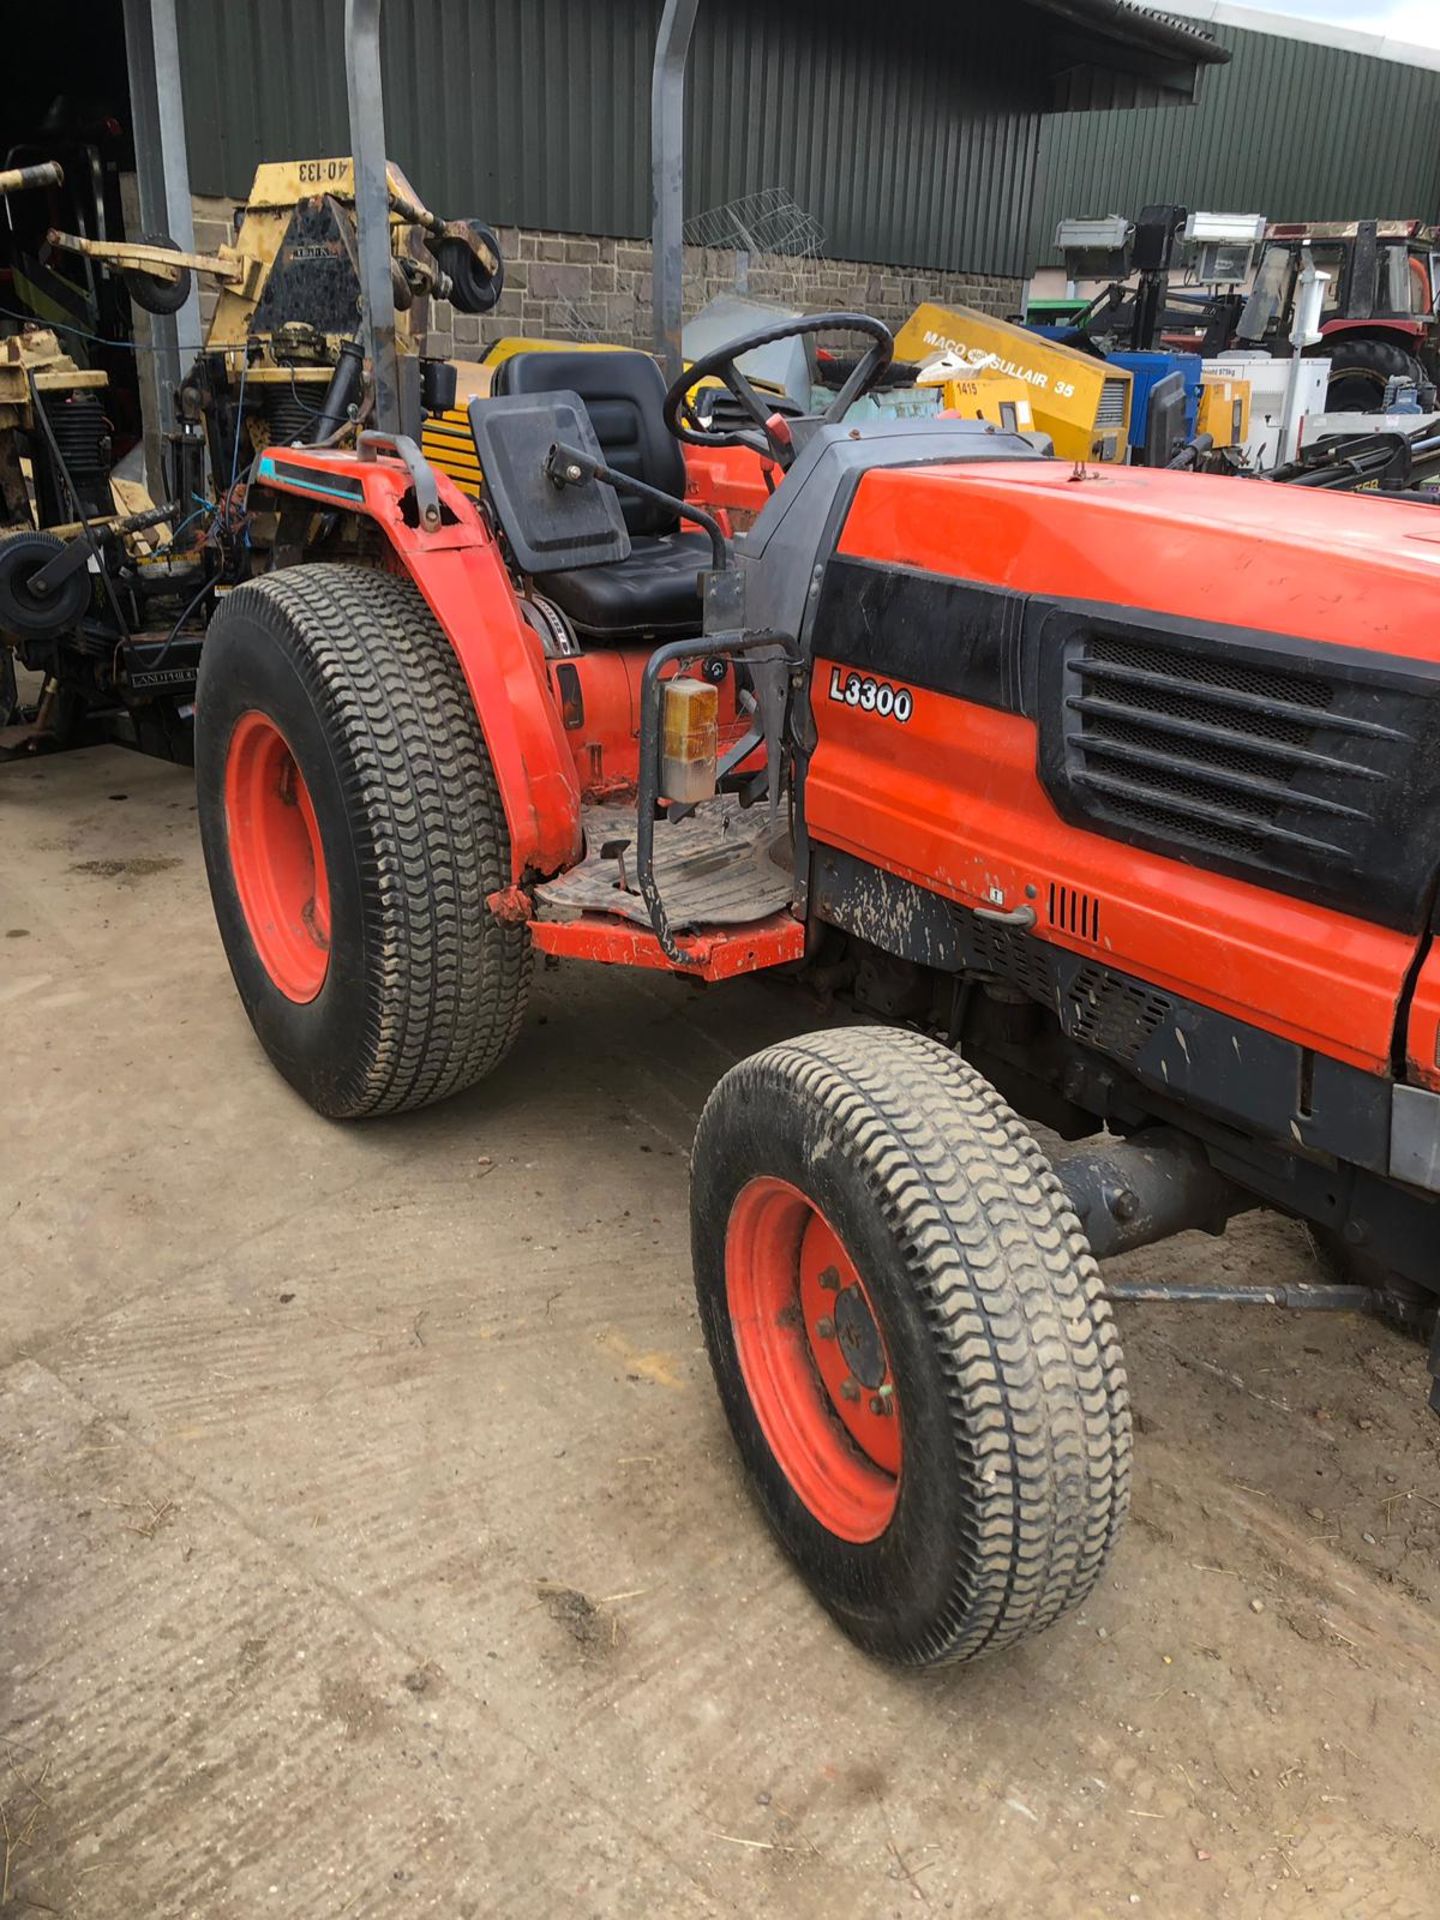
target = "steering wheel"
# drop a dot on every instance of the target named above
(773, 440)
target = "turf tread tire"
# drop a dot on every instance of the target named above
(1036, 1407)
(445, 984)
(23, 555)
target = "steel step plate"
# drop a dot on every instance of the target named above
(724, 866)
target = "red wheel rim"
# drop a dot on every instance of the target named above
(814, 1359)
(276, 857)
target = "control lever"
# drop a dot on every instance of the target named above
(570, 467)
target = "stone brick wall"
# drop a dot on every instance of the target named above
(570, 286)
(566, 286)
(214, 227)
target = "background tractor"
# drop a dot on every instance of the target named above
(1378, 323)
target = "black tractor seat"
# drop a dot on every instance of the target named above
(656, 590)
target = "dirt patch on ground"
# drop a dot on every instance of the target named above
(139, 868)
(591, 1626)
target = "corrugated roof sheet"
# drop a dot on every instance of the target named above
(1140, 27)
(1289, 129)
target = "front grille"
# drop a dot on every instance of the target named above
(1222, 755)
(1111, 411)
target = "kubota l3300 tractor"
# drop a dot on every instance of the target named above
(1113, 797)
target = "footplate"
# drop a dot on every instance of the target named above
(724, 866)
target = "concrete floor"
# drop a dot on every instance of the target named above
(370, 1542)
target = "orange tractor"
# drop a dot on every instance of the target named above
(1093, 822)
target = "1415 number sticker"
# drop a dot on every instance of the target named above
(871, 696)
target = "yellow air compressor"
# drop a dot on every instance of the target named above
(1082, 403)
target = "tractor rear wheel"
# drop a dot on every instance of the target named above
(352, 830)
(1361, 369)
(910, 1343)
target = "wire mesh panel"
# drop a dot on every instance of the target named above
(770, 221)
(763, 244)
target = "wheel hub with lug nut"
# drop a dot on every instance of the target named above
(819, 1377)
(276, 858)
(859, 1337)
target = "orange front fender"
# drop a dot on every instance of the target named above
(459, 571)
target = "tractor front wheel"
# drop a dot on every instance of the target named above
(910, 1343)
(352, 830)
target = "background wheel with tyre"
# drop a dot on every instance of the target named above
(1402, 1304)
(24, 610)
(352, 830)
(473, 290)
(907, 1331)
(158, 292)
(1360, 371)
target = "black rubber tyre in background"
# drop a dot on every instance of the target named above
(413, 990)
(1360, 371)
(150, 290)
(1402, 1304)
(474, 290)
(22, 611)
(989, 1332)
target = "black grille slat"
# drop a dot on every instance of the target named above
(1260, 704)
(1223, 747)
(1230, 780)
(1200, 811)
(1225, 753)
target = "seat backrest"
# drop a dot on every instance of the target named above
(623, 394)
(549, 528)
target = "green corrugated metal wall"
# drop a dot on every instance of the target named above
(1288, 129)
(914, 148)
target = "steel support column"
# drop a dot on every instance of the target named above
(163, 177)
(372, 208)
(667, 175)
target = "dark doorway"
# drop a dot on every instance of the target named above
(64, 95)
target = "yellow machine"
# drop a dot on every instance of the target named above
(35, 370)
(112, 623)
(982, 392)
(282, 361)
(1083, 404)
(1224, 411)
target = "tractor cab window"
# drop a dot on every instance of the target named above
(1270, 296)
(1331, 257)
(1396, 291)
(1419, 284)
